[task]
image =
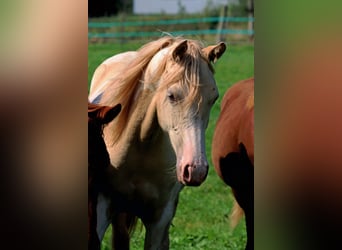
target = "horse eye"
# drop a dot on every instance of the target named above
(171, 97)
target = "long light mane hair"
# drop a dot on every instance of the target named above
(124, 88)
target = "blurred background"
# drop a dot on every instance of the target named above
(46, 60)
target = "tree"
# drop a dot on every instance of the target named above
(98, 8)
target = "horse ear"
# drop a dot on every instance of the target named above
(111, 113)
(93, 110)
(103, 114)
(214, 52)
(180, 50)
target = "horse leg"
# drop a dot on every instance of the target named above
(250, 229)
(93, 240)
(244, 195)
(157, 236)
(247, 201)
(238, 173)
(122, 224)
(157, 232)
(103, 215)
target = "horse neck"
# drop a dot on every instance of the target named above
(149, 125)
(143, 122)
(143, 137)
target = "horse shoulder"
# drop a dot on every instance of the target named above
(236, 121)
(247, 119)
(227, 123)
(246, 132)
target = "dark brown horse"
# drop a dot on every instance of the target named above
(233, 150)
(98, 162)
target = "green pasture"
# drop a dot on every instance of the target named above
(202, 217)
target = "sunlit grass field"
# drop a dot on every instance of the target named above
(202, 217)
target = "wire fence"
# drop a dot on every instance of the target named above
(239, 28)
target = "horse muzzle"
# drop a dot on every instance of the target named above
(193, 174)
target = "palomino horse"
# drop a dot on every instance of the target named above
(98, 162)
(233, 150)
(157, 142)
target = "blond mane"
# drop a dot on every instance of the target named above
(124, 88)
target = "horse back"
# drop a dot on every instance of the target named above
(108, 70)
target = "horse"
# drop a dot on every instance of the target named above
(157, 143)
(233, 151)
(98, 161)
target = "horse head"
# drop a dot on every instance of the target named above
(185, 95)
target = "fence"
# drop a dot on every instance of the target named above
(176, 27)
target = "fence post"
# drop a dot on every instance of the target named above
(250, 11)
(221, 24)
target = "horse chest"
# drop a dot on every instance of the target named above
(145, 183)
(141, 195)
(140, 182)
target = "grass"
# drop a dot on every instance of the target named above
(201, 220)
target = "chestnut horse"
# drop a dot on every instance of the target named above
(233, 150)
(157, 143)
(98, 162)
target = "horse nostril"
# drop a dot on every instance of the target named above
(193, 175)
(186, 173)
